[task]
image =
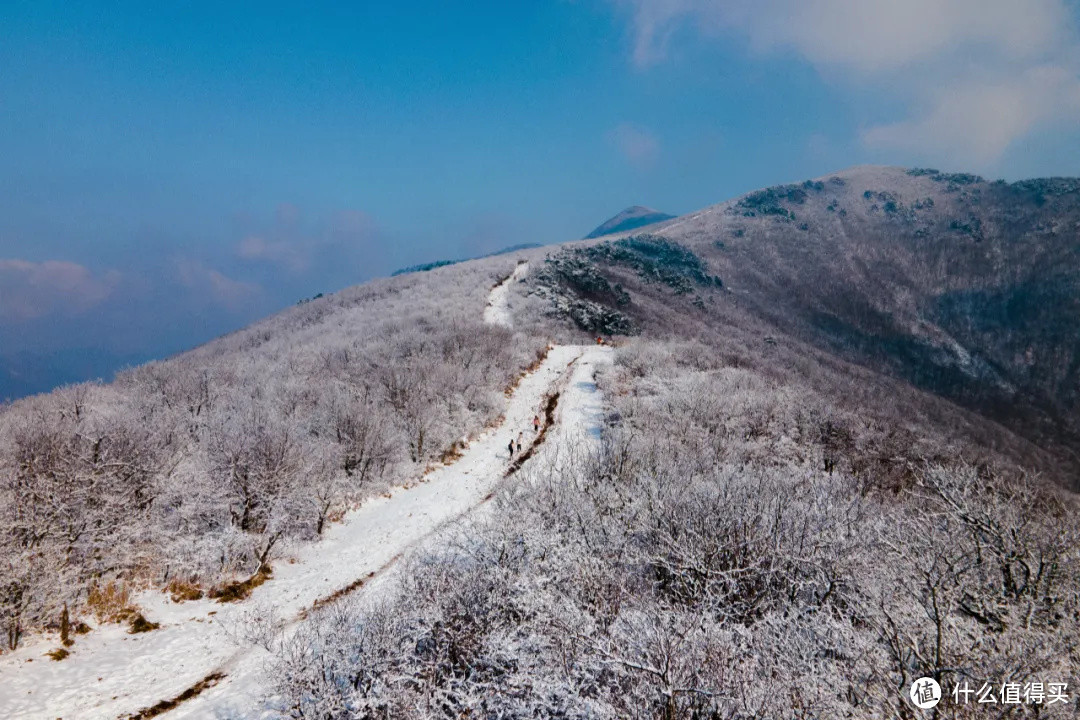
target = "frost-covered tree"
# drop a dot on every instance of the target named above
(202, 467)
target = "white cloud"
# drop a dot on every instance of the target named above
(291, 245)
(998, 69)
(654, 22)
(863, 35)
(975, 123)
(639, 146)
(208, 282)
(30, 290)
(280, 252)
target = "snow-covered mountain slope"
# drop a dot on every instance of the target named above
(726, 495)
(198, 469)
(959, 287)
(112, 673)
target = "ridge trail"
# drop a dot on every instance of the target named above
(111, 674)
(497, 311)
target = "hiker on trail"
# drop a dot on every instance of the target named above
(519, 441)
(536, 423)
(511, 448)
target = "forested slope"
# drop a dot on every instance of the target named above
(966, 289)
(193, 471)
(811, 489)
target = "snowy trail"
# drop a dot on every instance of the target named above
(497, 311)
(111, 674)
(577, 424)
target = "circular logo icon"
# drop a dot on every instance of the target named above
(925, 693)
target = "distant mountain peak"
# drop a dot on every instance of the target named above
(631, 218)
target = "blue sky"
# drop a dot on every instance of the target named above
(172, 173)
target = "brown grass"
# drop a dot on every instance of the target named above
(139, 624)
(110, 602)
(65, 628)
(451, 454)
(235, 591)
(58, 654)
(183, 591)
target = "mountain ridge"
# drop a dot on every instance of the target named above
(632, 218)
(959, 286)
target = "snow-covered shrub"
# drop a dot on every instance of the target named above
(706, 563)
(204, 467)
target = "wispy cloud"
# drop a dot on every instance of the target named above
(298, 247)
(976, 122)
(976, 75)
(654, 21)
(280, 252)
(207, 282)
(30, 290)
(867, 36)
(636, 144)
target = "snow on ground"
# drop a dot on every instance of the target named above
(243, 695)
(111, 674)
(497, 311)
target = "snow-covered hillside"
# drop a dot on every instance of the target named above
(726, 517)
(112, 673)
